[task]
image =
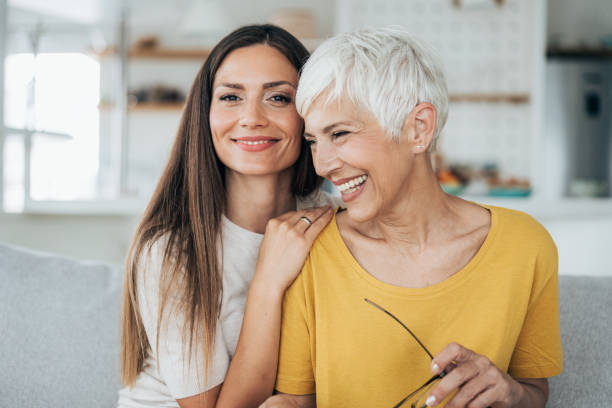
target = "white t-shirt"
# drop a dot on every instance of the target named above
(170, 377)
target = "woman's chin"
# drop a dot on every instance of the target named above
(258, 169)
(359, 214)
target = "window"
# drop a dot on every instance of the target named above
(52, 128)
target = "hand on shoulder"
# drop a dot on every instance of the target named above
(286, 244)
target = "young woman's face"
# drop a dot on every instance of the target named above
(255, 127)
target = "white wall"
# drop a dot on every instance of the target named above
(101, 238)
(584, 244)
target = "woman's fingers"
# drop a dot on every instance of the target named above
(475, 378)
(286, 244)
(305, 219)
(318, 224)
(459, 377)
(292, 218)
(483, 400)
(451, 355)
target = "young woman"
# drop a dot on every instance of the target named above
(239, 167)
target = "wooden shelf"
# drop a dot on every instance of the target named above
(162, 53)
(156, 106)
(517, 98)
(472, 98)
(491, 98)
(149, 106)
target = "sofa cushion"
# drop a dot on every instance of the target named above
(586, 330)
(59, 334)
(59, 330)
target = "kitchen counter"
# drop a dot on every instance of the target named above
(545, 208)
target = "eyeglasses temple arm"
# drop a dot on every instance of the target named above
(432, 379)
(402, 324)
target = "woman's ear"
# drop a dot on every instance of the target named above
(422, 122)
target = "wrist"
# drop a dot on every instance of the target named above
(515, 396)
(268, 288)
(518, 393)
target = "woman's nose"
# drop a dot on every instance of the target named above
(253, 115)
(325, 158)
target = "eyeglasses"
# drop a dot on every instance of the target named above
(417, 396)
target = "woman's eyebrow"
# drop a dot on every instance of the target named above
(278, 83)
(230, 85)
(329, 128)
(267, 85)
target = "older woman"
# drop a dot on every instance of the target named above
(410, 296)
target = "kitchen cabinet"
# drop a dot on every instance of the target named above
(495, 63)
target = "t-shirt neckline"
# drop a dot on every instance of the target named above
(433, 290)
(300, 202)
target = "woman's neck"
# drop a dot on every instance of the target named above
(253, 200)
(421, 213)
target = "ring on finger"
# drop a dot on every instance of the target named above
(306, 220)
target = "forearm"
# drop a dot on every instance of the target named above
(252, 373)
(290, 401)
(533, 393)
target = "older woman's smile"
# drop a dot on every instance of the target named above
(348, 187)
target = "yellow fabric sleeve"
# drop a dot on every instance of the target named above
(538, 352)
(295, 371)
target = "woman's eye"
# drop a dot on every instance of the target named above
(339, 133)
(280, 98)
(229, 98)
(309, 142)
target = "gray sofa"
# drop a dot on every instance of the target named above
(59, 334)
(59, 331)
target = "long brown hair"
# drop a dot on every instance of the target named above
(186, 211)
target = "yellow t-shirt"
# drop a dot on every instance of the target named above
(502, 304)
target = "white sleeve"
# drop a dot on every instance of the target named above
(184, 377)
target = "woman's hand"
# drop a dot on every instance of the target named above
(479, 383)
(286, 244)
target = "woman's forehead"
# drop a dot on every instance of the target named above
(256, 64)
(322, 115)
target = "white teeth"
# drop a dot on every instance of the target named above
(352, 185)
(255, 142)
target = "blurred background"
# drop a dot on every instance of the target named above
(91, 93)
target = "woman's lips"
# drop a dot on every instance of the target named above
(255, 144)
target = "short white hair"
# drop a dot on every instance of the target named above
(385, 71)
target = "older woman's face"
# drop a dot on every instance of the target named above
(255, 127)
(352, 150)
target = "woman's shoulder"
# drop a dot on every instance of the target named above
(152, 251)
(519, 225)
(154, 255)
(518, 219)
